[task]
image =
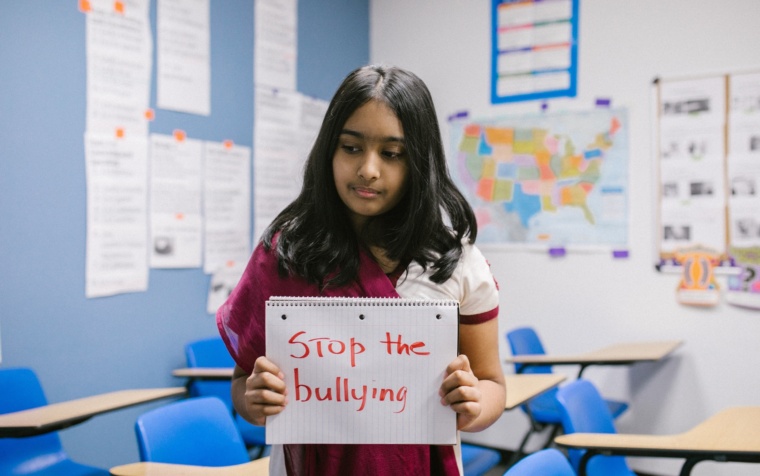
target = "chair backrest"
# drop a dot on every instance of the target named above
(585, 411)
(196, 431)
(478, 460)
(210, 352)
(21, 390)
(548, 462)
(525, 341)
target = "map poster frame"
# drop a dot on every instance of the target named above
(534, 49)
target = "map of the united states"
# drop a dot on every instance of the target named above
(517, 177)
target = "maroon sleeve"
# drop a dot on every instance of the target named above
(241, 318)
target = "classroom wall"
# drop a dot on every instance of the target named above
(79, 346)
(584, 301)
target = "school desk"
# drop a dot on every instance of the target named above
(222, 373)
(520, 388)
(523, 387)
(618, 354)
(730, 435)
(57, 416)
(258, 467)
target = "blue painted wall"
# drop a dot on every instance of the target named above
(81, 346)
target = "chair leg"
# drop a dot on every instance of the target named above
(520, 451)
(555, 431)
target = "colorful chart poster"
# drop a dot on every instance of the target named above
(553, 180)
(534, 49)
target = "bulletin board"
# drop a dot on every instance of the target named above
(708, 169)
(708, 162)
(534, 52)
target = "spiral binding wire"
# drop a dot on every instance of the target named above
(299, 301)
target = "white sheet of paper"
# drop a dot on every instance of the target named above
(702, 224)
(275, 43)
(222, 283)
(694, 102)
(278, 159)
(744, 160)
(312, 114)
(119, 61)
(176, 194)
(117, 215)
(184, 56)
(692, 161)
(227, 205)
(362, 371)
(285, 128)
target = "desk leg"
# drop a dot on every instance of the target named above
(584, 462)
(688, 465)
(580, 371)
(535, 427)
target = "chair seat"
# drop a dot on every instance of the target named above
(40, 455)
(608, 466)
(546, 410)
(476, 460)
(548, 462)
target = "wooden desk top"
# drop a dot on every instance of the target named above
(523, 387)
(258, 467)
(57, 416)
(625, 353)
(204, 372)
(734, 430)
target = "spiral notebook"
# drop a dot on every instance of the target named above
(362, 370)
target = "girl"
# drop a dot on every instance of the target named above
(378, 216)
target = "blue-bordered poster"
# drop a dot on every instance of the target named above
(534, 49)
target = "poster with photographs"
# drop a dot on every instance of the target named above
(744, 160)
(709, 175)
(691, 164)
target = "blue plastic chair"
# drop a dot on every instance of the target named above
(33, 455)
(543, 410)
(585, 411)
(196, 431)
(211, 352)
(478, 460)
(548, 462)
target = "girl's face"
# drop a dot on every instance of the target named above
(370, 164)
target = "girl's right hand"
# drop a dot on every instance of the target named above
(265, 391)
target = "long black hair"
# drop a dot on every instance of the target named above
(316, 237)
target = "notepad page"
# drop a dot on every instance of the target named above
(362, 370)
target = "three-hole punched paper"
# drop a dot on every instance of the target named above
(362, 370)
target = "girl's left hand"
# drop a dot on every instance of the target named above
(460, 391)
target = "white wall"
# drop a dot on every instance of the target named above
(585, 301)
